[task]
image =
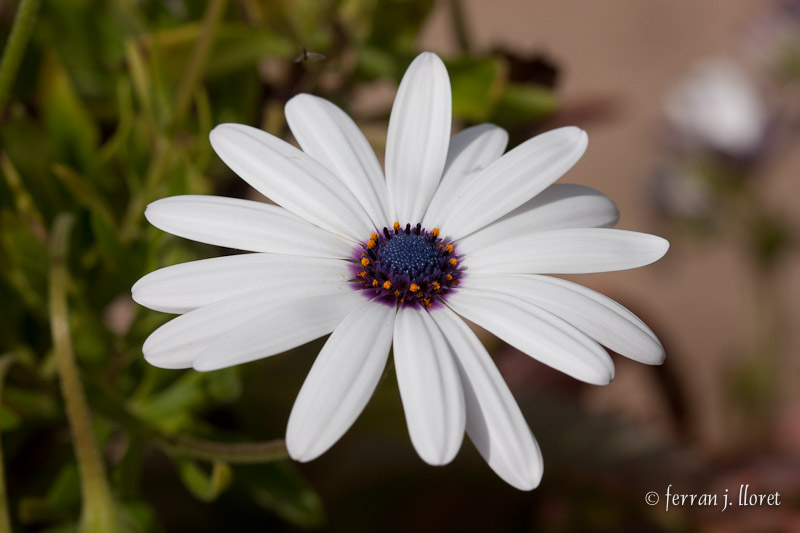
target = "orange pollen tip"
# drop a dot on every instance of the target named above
(397, 226)
(370, 245)
(427, 302)
(414, 287)
(387, 284)
(373, 237)
(436, 285)
(454, 283)
(362, 274)
(364, 261)
(435, 232)
(449, 277)
(374, 282)
(448, 248)
(397, 294)
(453, 261)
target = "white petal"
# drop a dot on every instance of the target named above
(184, 287)
(515, 178)
(494, 422)
(568, 251)
(430, 387)
(599, 317)
(557, 207)
(419, 133)
(327, 134)
(341, 382)
(278, 327)
(180, 341)
(536, 332)
(244, 225)
(471, 150)
(291, 179)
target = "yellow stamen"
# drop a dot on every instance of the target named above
(370, 245)
(362, 274)
(449, 277)
(436, 286)
(454, 283)
(414, 287)
(387, 284)
(373, 237)
(453, 261)
(435, 232)
(364, 261)
(427, 302)
(374, 282)
(441, 245)
(397, 226)
(397, 294)
(448, 248)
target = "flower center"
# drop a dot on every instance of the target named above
(407, 266)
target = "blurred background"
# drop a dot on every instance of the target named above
(693, 115)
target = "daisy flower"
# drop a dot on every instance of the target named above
(456, 228)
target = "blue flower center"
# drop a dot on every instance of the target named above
(407, 266)
(409, 254)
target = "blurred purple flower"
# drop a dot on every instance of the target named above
(718, 107)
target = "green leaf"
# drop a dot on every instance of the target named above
(31, 403)
(477, 85)
(280, 488)
(140, 515)
(395, 24)
(63, 499)
(24, 261)
(224, 385)
(89, 337)
(205, 486)
(238, 47)
(39, 511)
(26, 207)
(140, 78)
(30, 149)
(521, 103)
(88, 37)
(70, 127)
(83, 191)
(8, 418)
(109, 243)
(65, 491)
(373, 62)
(171, 408)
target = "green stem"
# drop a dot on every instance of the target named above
(5, 523)
(197, 63)
(245, 452)
(160, 165)
(99, 513)
(460, 26)
(15, 47)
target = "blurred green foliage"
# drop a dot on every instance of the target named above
(110, 110)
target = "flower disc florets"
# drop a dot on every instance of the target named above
(409, 266)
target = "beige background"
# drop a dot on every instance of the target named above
(699, 298)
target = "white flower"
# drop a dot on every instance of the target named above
(718, 106)
(477, 229)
